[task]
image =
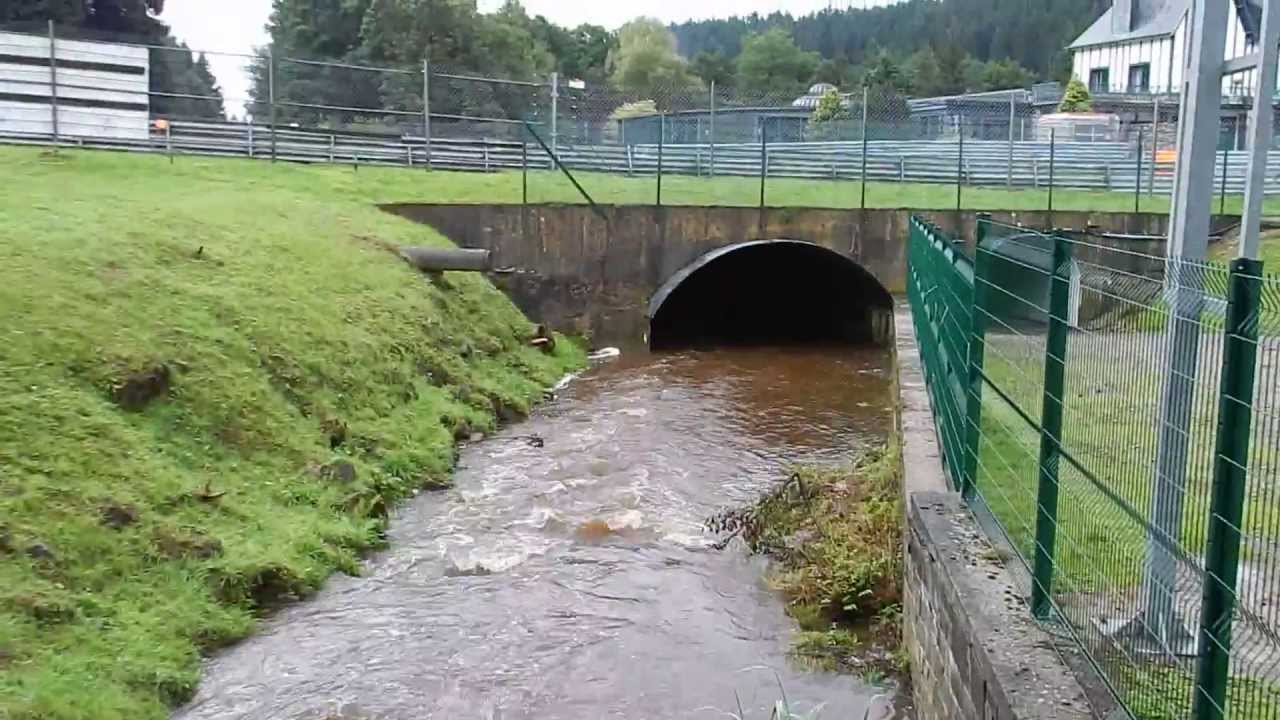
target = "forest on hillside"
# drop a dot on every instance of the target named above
(1032, 34)
(912, 48)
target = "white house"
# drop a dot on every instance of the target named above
(1139, 47)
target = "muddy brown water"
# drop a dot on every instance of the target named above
(573, 580)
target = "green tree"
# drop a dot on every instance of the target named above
(771, 63)
(645, 63)
(885, 73)
(1075, 98)
(834, 71)
(926, 73)
(956, 73)
(713, 67)
(587, 56)
(828, 118)
(1005, 74)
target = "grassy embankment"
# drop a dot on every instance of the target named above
(306, 379)
(835, 535)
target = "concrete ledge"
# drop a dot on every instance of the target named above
(921, 459)
(975, 651)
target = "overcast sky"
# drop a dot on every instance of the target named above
(237, 26)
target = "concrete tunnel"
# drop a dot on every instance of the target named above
(770, 292)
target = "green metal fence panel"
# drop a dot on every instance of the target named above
(1055, 367)
(1226, 508)
(1168, 579)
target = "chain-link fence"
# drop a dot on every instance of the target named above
(1112, 414)
(677, 144)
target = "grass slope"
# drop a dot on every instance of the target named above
(293, 338)
(389, 184)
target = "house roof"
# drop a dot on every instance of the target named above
(1151, 18)
(1160, 18)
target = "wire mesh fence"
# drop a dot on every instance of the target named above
(686, 143)
(1112, 414)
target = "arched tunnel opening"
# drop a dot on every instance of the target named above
(770, 292)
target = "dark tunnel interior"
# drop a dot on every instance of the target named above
(771, 293)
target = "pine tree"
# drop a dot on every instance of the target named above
(1075, 98)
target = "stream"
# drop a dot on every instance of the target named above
(566, 574)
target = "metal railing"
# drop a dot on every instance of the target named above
(430, 115)
(1135, 477)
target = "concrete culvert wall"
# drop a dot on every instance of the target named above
(770, 292)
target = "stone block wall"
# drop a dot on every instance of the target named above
(975, 651)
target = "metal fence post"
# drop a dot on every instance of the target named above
(524, 170)
(1222, 202)
(1155, 143)
(862, 174)
(248, 126)
(1055, 357)
(53, 83)
(1052, 136)
(426, 110)
(662, 132)
(764, 157)
(959, 160)
(1012, 114)
(555, 113)
(1137, 175)
(271, 98)
(712, 131)
(977, 353)
(1230, 471)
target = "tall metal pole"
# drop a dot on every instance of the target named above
(1226, 512)
(1053, 132)
(662, 133)
(555, 113)
(1155, 144)
(1137, 175)
(1012, 116)
(713, 129)
(426, 111)
(1260, 134)
(764, 157)
(862, 175)
(959, 163)
(53, 82)
(1222, 200)
(1188, 240)
(271, 97)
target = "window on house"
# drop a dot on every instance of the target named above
(1140, 78)
(1099, 80)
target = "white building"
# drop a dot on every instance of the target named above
(1139, 47)
(101, 88)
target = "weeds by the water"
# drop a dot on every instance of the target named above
(835, 537)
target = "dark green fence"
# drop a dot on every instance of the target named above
(1113, 418)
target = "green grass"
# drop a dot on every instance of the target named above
(386, 184)
(686, 190)
(294, 338)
